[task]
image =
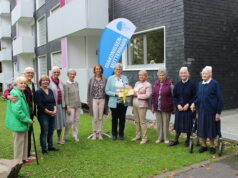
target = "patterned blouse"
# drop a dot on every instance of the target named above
(98, 89)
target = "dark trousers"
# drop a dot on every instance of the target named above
(29, 140)
(47, 124)
(118, 113)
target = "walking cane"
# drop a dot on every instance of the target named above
(37, 162)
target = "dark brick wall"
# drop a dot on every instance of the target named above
(198, 33)
(211, 38)
(151, 14)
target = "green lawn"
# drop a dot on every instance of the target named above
(105, 158)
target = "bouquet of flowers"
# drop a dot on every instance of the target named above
(125, 93)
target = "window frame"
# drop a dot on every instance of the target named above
(57, 6)
(38, 34)
(38, 66)
(125, 58)
(52, 58)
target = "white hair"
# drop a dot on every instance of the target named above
(118, 65)
(208, 69)
(183, 68)
(71, 70)
(162, 71)
(20, 79)
(29, 68)
(55, 68)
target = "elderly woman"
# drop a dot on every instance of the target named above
(57, 87)
(142, 93)
(209, 102)
(116, 104)
(184, 94)
(73, 104)
(46, 111)
(18, 120)
(97, 100)
(162, 105)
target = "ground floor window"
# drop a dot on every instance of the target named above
(146, 49)
(42, 66)
(56, 59)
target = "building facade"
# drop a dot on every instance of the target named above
(169, 34)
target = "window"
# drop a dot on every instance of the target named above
(146, 49)
(39, 3)
(56, 59)
(54, 9)
(42, 66)
(41, 31)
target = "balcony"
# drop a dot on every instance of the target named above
(79, 17)
(6, 78)
(6, 55)
(23, 45)
(5, 32)
(4, 8)
(23, 11)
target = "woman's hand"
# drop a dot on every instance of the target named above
(185, 108)
(180, 108)
(152, 110)
(68, 110)
(193, 107)
(218, 117)
(12, 98)
(31, 122)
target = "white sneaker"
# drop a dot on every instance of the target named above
(76, 139)
(158, 141)
(166, 141)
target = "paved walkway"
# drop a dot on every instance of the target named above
(229, 124)
(223, 167)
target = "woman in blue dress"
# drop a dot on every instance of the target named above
(209, 102)
(183, 94)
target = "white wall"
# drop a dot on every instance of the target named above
(76, 52)
(25, 29)
(91, 50)
(25, 61)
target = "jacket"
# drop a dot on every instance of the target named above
(111, 90)
(143, 94)
(17, 116)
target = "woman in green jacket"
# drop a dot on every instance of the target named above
(18, 120)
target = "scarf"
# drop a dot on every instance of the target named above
(59, 99)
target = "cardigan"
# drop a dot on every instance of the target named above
(17, 116)
(53, 87)
(209, 97)
(71, 95)
(111, 89)
(44, 101)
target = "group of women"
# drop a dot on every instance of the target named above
(59, 106)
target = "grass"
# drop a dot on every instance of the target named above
(105, 158)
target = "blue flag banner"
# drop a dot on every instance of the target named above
(113, 42)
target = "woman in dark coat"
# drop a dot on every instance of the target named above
(184, 94)
(209, 102)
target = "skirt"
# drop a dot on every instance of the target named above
(184, 121)
(60, 118)
(208, 127)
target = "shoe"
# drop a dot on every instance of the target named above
(44, 152)
(186, 143)
(94, 137)
(27, 161)
(202, 149)
(134, 139)
(32, 153)
(121, 137)
(166, 141)
(76, 139)
(158, 141)
(174, 143)
(212, 150)
(53, 149)
(100, 136)
(143, 141)
(114, 138)
(32, 157)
